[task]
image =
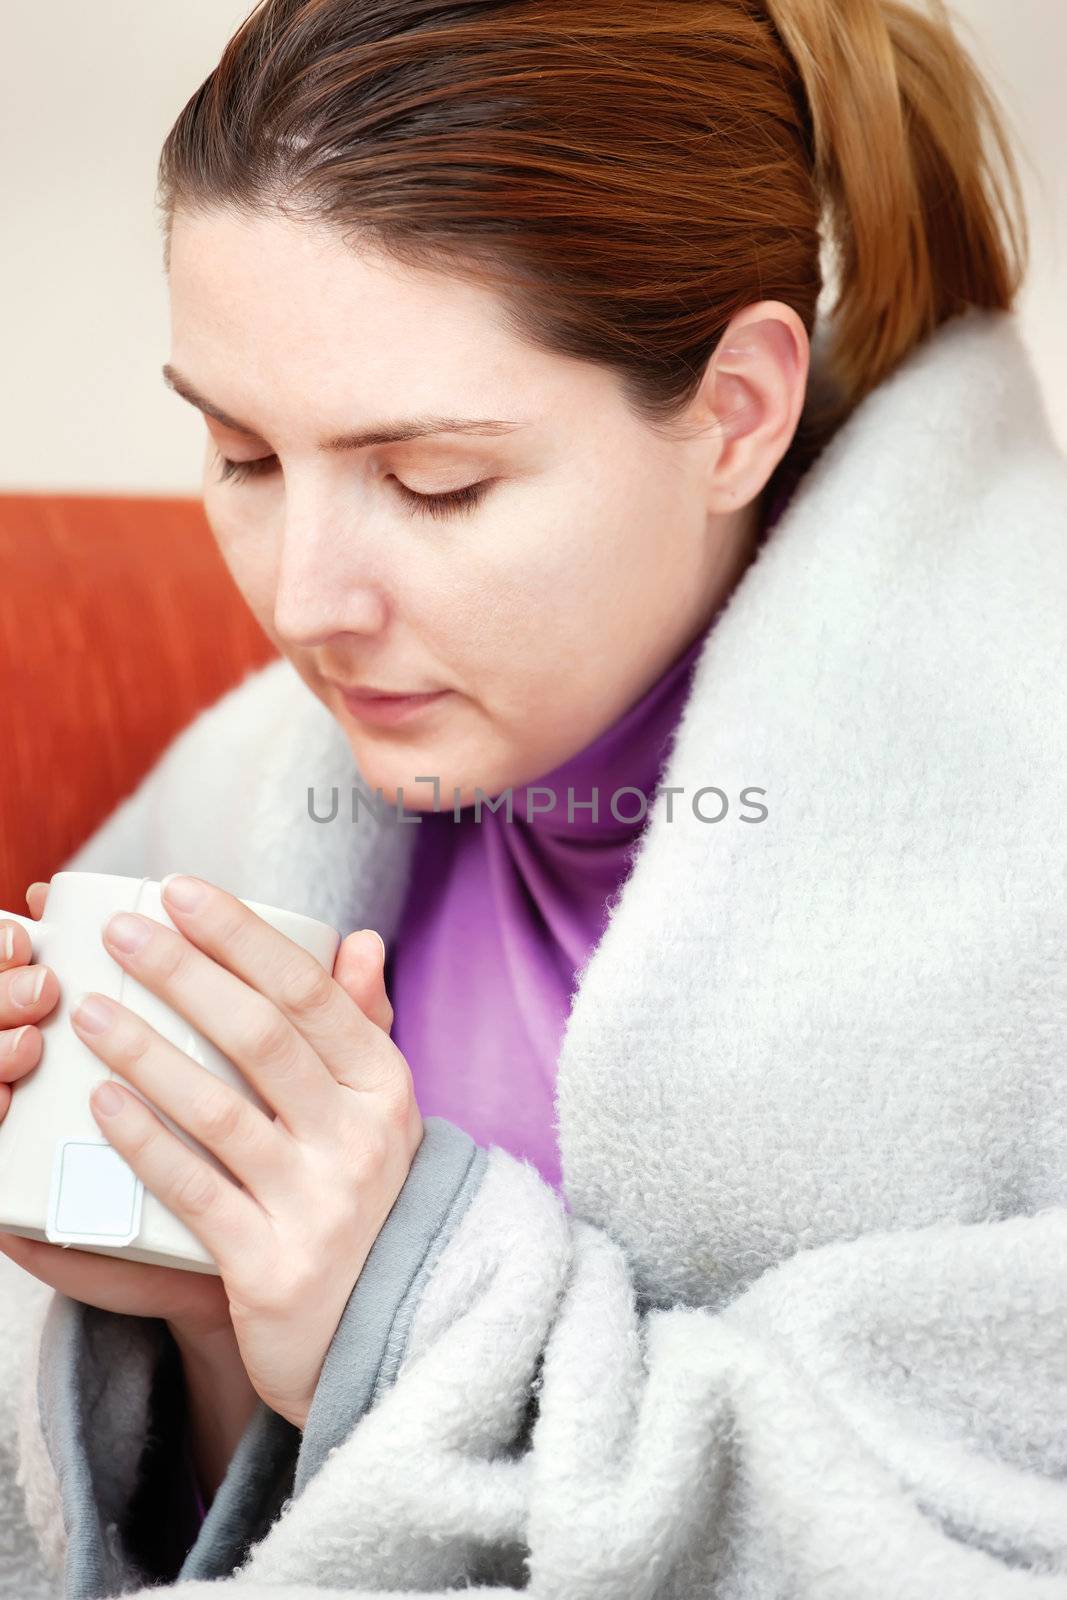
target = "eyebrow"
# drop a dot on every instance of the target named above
(384, 433)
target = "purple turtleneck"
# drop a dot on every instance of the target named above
(501, 916)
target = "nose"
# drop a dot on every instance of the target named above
(324, 584)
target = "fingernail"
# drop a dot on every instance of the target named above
(380, 940)
(92, 1013)
(26, 987)
(184, 892)
(9, 942)
(11, 1037)
(107, 1099)
(128, 931)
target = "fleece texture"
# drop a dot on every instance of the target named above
(800, 1330)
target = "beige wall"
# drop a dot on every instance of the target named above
(87, 93)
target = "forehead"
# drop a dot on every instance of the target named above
(286, 325)
(287, 297)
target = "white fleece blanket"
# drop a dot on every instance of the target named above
(804, 1336)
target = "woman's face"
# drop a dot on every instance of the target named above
(588, 558)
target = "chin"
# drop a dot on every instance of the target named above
(390, 766)
(380, 769)
(419, 797)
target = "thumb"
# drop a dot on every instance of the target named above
(36, 895)
(360, 970)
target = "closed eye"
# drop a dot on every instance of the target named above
(433, 505)
(238, 471)
(443, 505)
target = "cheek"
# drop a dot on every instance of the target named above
(526, 585)
(577, 619)
(525, 617)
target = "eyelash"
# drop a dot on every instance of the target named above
(432, 505)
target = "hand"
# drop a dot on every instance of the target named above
(20, 1039)
(314, 1182)
(192, 1303)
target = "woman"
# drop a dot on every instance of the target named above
(681, 1211)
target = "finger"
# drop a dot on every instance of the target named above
(36, 896)
(27, 993)
(249, 1028)
(284, 980)
(252, 1146)
(360, 970)
(134, 1288)
(228, 1222)
(20, 1051)
(16, 947)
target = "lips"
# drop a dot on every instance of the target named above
(387, 709)
(368, 697)
(365, 691)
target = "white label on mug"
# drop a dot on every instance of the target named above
(95, 1198)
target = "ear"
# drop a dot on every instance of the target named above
(360, 970)
(755, 386)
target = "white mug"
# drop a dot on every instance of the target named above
(60, 1179)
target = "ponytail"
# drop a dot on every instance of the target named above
(914, 211)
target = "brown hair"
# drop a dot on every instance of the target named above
(630, 174)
